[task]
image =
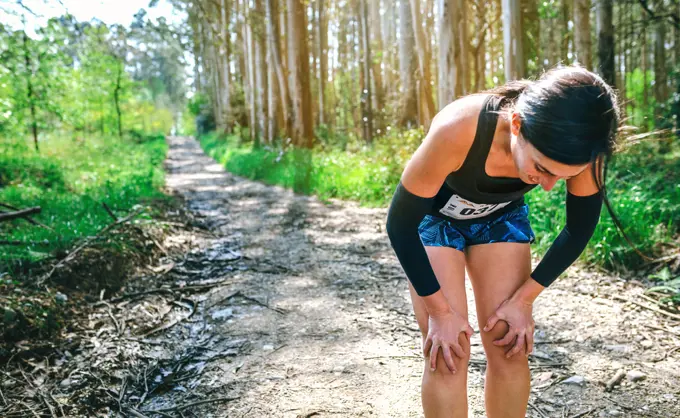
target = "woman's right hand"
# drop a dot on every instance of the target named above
(443, 331)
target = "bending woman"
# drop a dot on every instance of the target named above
(460, 205)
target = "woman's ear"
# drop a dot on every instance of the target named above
(515, 123)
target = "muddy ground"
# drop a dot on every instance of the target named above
(284, 306)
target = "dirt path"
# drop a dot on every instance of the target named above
(286, 307)
(337, 336)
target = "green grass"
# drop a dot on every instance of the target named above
(643, 187)
(70, 180)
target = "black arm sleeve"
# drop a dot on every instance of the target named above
(403, 218)
(583, 214)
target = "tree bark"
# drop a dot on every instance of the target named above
(367, 119)
(298, 60)
(479, 52)
(660, 88)
(605, 36)
(407, 67)
(29, 90)
(116, 98)
(512, 40)
(452, 56)
(378, 51)
(225, 72)
(566, 32)
(582, 32)
(272, 11)
(425, 91)
(322, 53)
(261, 71)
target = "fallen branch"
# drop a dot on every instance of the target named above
(19, 214)
(615, 380)
(110, 212)
(582, 414)
(189, 405)
(20, 243)
(537, 409)
(73, 253)
(29, 220)
(651, 308)
(173, 322)
(663, 329)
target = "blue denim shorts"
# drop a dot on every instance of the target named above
(512, 226)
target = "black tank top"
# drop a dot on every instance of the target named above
(468, 194)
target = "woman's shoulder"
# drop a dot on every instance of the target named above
(456, 123)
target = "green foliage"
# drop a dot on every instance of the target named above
(641, 116)
(68, 77)
(70, 180)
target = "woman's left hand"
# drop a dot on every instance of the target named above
(517, 314)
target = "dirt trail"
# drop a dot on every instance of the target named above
(287, 307)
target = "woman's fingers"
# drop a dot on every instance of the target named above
(507, 339)
(448, 358)
(519, 345)
(491, 322)
(458, 350)
(427, 346)
(433, 356)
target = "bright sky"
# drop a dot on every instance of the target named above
(108, 11)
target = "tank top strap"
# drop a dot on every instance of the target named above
(486, 127)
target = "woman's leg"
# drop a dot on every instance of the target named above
(496, 270)
(444, 394)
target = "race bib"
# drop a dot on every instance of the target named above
(459, 208)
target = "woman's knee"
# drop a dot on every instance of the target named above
(461, 363)
(496, 355)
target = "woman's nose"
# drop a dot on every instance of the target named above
(548, 183)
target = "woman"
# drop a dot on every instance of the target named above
(460, 206)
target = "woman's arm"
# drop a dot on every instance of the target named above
(442, 152)
(584, 203)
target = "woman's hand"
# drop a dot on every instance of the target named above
(517, 314)
(443, 331)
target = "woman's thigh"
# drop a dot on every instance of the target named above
(496, 270)
(449, 268)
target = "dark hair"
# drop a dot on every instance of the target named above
(570, 115)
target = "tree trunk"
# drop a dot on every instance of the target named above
(196, 47)
(261, 81)
(452, 58)
(322, 44)
(29, 90)
(566, 33)
(605, 36)
(390, 40)
(582, 32)
(425, 92)
(645, 82)
(407, 67)
(367, 119)
(250, 73)
(660, 88)
(275, 47)
(378, 56)
(512, 40)
(116, 97)
(531, 37)
(225, 54)
(479, 52)
(298, 61)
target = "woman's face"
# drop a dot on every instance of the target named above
(534, 167)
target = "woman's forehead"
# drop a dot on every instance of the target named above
(554, 167)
